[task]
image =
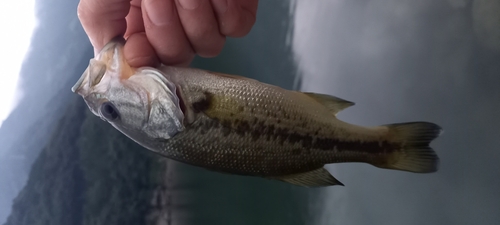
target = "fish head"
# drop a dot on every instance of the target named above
(140, 102)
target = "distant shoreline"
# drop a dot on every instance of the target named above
(167, 200)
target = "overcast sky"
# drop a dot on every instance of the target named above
(401, 61)
(14, 44)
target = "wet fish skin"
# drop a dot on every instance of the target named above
(241, 126)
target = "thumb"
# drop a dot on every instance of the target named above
(103, 20)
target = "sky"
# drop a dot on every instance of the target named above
(17, 21)
(402, 61)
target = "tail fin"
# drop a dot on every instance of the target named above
(416, 155)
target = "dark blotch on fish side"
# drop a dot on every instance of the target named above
(226, 127)
(296, 151)
(203, 104)
(294, 137)
(370, 147)
(270, 132)
(226, 131)
(282, 135)
(257, 129)
(242, 128)
(208, 125)
(226, 123)
(307, 142)
(255, 135)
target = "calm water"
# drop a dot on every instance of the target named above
(399, 61)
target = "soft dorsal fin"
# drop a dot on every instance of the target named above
(315, 178)
(333, 103)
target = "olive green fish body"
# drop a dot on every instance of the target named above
(247, 127)
(237, 125)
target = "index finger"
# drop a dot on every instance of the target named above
(103, 20)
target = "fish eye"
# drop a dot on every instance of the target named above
(109, 111)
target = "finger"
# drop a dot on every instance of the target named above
(165, 33)
(235, 17)
(201, 26)
(135, 24)
(103, 20)
(139, 52)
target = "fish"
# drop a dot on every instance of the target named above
(237, 125)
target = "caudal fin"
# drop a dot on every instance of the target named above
(416, 155)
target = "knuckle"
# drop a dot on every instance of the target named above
(212, 49)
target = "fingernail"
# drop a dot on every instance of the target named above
(190, 4)
(159, 12)
(220, 5)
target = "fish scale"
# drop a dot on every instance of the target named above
(271, 149)
(240, 155)
(241, 126)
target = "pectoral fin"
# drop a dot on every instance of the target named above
(316, 178)
(333, 103)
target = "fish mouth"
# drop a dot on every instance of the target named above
(114, 43)
(116, 64)
(78, 84)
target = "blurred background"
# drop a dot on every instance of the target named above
(398, 60)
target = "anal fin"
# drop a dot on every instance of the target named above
(315, 178)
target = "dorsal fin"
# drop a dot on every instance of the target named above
(333, 103)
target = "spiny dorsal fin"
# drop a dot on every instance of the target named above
(315, 178)
(333, 103)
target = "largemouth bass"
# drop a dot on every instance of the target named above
(238, 125)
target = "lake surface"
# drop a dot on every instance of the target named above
(399, 61)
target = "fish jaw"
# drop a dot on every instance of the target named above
(109, 64)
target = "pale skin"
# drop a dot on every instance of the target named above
(171, 32)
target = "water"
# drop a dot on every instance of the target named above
(409, 61)
(399, 61)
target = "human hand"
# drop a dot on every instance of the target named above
(166, 31)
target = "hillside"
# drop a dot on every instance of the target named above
(78, 180)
